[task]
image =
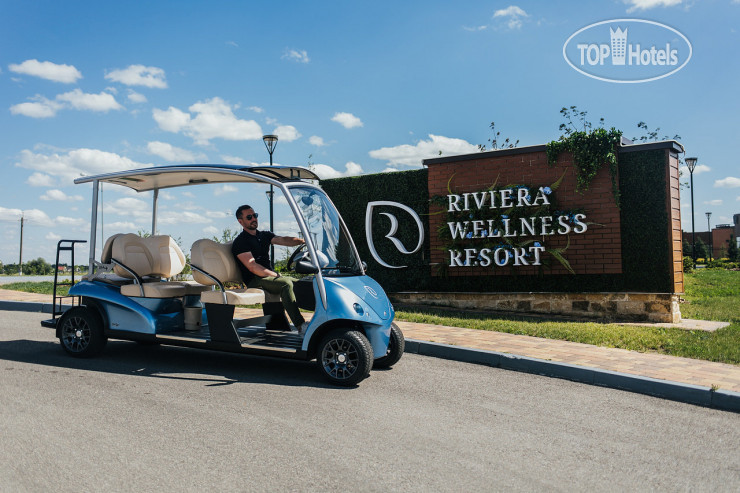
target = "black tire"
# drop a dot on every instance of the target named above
(345, 357)
(81, 332)
(396, 346)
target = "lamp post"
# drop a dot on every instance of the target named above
(709, 228)
(271, 142)
(691, 164)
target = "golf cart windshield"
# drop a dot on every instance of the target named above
(336, 252)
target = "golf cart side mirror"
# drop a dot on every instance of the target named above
(305, 267)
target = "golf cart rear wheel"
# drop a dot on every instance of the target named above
(345, 357)
(396, 346)
(81, 332)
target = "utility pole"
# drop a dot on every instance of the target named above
(20, 262)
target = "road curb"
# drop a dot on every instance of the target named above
(27, 306)
(676, 391)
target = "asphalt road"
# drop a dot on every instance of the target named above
(155, 418)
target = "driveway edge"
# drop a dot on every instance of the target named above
(676, 391)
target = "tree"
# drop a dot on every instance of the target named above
(686, 249)
(732, 252)
(227, 235)
(701, 249)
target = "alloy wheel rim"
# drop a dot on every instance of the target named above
(340, 359)
(76, 334)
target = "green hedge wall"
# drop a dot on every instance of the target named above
(351, 196)
(646, 246)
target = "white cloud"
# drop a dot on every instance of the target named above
(218, 214)
(649, 4)
(700, 168)
(139, 75)
(347, 120)
(475, 28)
(408, 155)
(300, 56)
(71, 221)
(171, 153)
(211, 230)
(325, 171)
(224, 189)
(52, 237)
(513, 16)
(33, 216)
(256, 109)
(76, 163)
(317, 141)
(91, 102)
(66, 74)
(729, 182)
(288, 133)
(136, 97)
(713, 202)
(181, 217)
(239, 161)
(214, 119)
(41, 107)
(55, 194)
(40, 180)
(121, 226)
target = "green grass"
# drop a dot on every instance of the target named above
(710, 295)
(43, 287)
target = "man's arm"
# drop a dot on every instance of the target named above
(250, 263)
(287, 241)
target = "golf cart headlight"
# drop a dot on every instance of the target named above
(358, 309)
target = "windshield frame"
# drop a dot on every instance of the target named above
(298, 212)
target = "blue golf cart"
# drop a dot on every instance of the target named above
(132, 291)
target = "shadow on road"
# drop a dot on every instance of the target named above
(169, 362)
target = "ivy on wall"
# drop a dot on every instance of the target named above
(591, 151)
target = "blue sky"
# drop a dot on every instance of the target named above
(361, 87)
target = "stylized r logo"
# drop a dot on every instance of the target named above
(394, 228)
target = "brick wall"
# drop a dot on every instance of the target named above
(597, 251)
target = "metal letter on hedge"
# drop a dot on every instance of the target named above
(394, 228)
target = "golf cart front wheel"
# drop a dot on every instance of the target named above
(345, 357)
(396, 346)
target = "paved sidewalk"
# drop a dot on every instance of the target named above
(684, 379)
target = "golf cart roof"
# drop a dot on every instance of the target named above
(159, 177)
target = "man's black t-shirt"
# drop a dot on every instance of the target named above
(258, 245)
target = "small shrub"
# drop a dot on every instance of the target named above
(688, 265)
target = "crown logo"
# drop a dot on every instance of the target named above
(619, 45)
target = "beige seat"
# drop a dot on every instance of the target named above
(214, 265)
(147, 261)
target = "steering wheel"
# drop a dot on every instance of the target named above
(294, 255)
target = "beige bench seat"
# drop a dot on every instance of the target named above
(148, 261)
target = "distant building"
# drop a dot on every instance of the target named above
(719, 238)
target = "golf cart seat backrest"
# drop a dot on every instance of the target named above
(107, 252)
(155, 257)
(213, 264)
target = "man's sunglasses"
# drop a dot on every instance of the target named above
(249, 217)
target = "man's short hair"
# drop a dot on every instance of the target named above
(241, 209)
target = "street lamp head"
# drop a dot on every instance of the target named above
(691, 163)
(270, 142)
(709, 214)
